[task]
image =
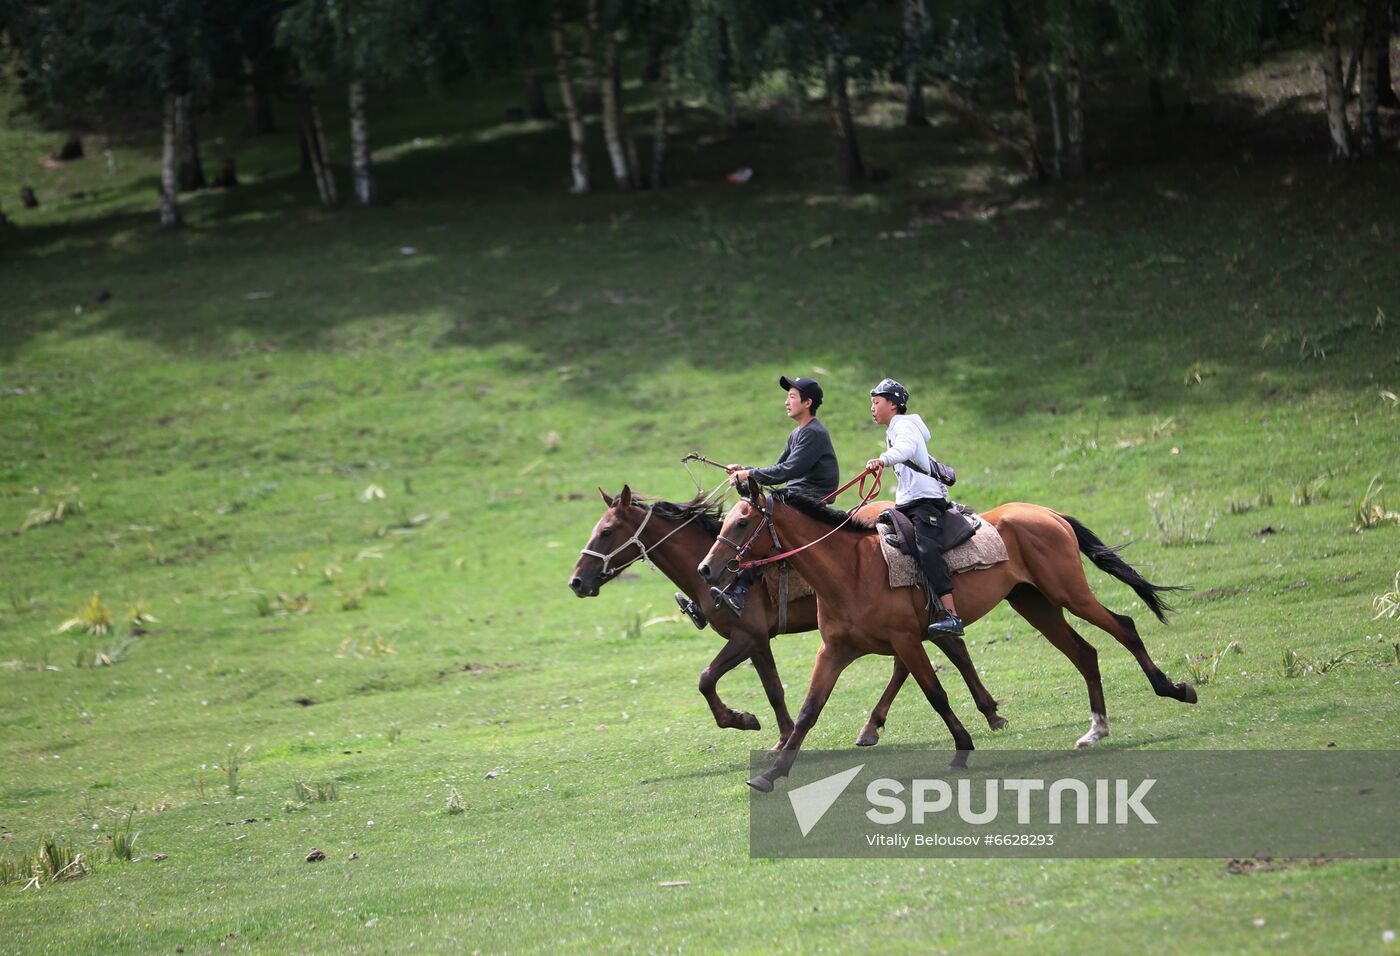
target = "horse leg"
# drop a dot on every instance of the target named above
(910, 649)
(870, 733)
(1083, 604)
(773, 686)
(1050, 621)
(831, 661)
(735, 651)
(955, 649)
(1063, 583)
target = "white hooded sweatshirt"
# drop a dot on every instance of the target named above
(906, 438)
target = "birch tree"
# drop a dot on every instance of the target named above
(1334, 91)
(568, 97)
(360, 45)
(152, 53)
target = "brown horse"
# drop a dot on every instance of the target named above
(674, 537)
(858, 613)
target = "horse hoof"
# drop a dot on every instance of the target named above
(1088, 740)
(959, 761)
(747, 721)
(869, 737)
(997, 721)
(762, 784)
(1187, 692)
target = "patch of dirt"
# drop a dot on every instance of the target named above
(1214, 593)
(1265, 864)
(472, 668)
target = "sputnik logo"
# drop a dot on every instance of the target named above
(811, 801)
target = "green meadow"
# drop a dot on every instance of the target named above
(328, 473)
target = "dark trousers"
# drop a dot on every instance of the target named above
(927, 516)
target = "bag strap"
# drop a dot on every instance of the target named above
(924, 471)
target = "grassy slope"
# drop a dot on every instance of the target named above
(220, 444)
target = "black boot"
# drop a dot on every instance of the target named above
(733, 599)
(692, 611)
(949, 625)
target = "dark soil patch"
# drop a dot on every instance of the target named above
(1214, 593)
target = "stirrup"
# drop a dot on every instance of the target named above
(949, 625)
(692, 611)
(730, 601)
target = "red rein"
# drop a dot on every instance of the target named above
(865, 499)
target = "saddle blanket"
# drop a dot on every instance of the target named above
(983, 550)
(798, 587)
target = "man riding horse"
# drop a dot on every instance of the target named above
(807, 465)
(921, 496)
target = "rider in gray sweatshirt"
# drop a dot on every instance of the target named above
(807, 467)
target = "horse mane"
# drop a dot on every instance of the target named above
(824, 513)
(708, 515)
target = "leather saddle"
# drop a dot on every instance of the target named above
(957, 526)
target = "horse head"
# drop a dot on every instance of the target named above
(602, 559)
(740, 536)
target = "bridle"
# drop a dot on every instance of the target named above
(734, 564)
(737, 563)
(643, 551)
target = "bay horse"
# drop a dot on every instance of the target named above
(858, 613)
(674, 537)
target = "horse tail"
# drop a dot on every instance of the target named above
(1106, 559)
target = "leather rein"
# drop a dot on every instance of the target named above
(737, 563)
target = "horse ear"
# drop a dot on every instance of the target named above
(624, 499)
(747, 489)
(606, 500)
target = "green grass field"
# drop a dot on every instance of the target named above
(350, 484)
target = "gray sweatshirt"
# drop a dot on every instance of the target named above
(808, 463)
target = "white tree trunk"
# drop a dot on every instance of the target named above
(612, 131)
(1334, 91)
(359, 145)
(169, 210)
(578, 155)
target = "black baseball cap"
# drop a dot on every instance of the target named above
(806, 387)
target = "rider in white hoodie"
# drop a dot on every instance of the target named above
(920, 496)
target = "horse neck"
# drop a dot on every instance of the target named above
(679, 554)
(824, 567)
